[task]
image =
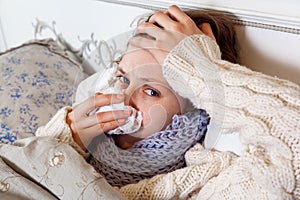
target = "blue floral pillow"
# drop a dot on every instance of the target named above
(36, 80)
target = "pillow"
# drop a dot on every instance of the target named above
(36, 80)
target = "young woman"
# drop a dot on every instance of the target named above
(254, 120)
(250, 151)
(170, 125)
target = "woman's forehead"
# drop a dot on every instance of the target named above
(144, 73)
(141, 65)
(137, 58)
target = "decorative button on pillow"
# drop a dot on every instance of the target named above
(36, 80)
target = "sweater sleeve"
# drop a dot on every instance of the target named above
(264, 110)
(58, 128)
(182, 183)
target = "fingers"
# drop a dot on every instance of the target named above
(79, 118)
(169, 18)
(83, 137)
(102, 118)
(84, 127)
(88, 133)
(173, 19)
(138, 43)
(147, 31)
(163, 20)
(149, 37)
(206, 29)
(95, 101)
(177, 14)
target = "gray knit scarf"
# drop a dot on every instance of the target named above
(159, 153)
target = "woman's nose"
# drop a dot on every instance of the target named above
(130, 97)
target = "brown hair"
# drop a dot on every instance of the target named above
(223, 29)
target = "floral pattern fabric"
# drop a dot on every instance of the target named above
(36, 80)
(58, 173)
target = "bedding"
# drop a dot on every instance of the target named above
(58, 173)
(209, 174)
(36, 80)
(44, 86)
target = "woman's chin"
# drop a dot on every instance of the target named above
(138, 135)
(125, 141)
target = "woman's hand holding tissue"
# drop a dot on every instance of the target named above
(85, 126)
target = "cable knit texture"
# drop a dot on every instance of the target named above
(264, 110)
(59, 129)
(161, 152)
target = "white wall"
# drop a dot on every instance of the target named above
(3, 44)
(278, 12)
(73, 18)
(272, 52)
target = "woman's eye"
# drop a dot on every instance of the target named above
(152, 92)
(123, 79)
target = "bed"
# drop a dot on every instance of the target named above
(40, 74)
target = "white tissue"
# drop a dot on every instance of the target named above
(133, 122)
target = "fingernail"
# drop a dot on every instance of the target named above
(120, 96)
(127, 112)
(121, 121)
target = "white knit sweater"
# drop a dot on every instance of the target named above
(264, 110)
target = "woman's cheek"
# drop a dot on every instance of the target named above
(146, 117)
(155, 118)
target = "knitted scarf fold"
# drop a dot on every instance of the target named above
(162, 152)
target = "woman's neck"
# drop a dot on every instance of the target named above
(125, 141)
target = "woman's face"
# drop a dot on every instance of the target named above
(141, 78)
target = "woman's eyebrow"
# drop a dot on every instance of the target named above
(146, 79)
(152, 80)
(121, 70)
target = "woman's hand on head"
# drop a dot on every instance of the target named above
(166, 30)
(84, 127)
